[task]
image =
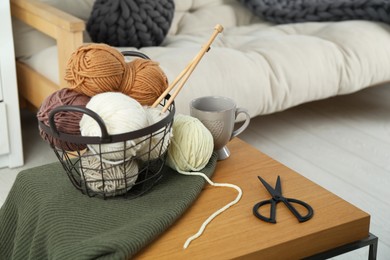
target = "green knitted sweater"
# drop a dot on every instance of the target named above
(45, 217)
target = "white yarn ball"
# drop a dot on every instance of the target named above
(191, 145)
(118, 179)
(121, 114)
(159, 142)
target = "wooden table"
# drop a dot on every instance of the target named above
(237, 233)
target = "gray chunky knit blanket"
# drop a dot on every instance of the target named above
(293, 11)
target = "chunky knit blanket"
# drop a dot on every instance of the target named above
(45, 217)
(292, 11)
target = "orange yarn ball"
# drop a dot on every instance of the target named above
(98, 68)
(144, 81)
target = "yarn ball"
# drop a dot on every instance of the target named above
(67, 121)
(191, 144)
(99, 68)
(158, 143)
(107, 179)
(130, 23)
(121, 114)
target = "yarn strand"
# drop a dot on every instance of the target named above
(196, 172)
(216, 213)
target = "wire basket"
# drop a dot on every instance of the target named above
(131, 176)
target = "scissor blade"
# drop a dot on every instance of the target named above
(268, 187)
(278, 186)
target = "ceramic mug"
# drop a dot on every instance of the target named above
(219, 114)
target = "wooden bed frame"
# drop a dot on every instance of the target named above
(66, 29)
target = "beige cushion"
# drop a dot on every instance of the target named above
(29, 41)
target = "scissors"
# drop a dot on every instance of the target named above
(278, 197)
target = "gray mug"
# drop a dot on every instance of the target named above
(219, 114)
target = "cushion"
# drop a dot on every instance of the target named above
(29, 41)
(132, 23)
(288, 11)
(194, 16)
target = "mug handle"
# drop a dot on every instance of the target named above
(246, 123)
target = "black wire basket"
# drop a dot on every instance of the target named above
(131, 176)
(92, 173)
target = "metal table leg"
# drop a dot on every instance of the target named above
(371, 241)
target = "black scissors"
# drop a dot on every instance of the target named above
(278, 197)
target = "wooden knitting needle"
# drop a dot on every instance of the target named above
(173, 84)
(193, 63)
(188, 70)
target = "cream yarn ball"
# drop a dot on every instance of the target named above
(121, 114)
(118, 179)
(191, 145)
(158, 144)
(191, 148)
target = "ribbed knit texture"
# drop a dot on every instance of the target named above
(45, 217)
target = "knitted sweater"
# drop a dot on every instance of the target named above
(45, 217)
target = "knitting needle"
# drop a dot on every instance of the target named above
(190, 68)
(173, 84)
(197, 58)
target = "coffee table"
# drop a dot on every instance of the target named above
(336, 227)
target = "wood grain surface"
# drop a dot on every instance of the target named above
(237, 233)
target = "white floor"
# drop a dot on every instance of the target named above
(341, 143)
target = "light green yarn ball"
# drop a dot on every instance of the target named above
(191, 144)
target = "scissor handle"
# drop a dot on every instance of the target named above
(288, 202)
(272, 218)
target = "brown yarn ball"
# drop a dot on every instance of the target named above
(98, 68)
(67, 121)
